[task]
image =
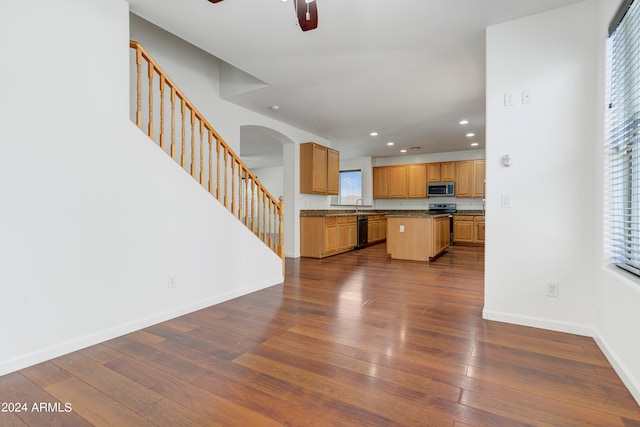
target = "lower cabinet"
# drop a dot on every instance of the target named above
(442, 235)
(468, 229)
(325, 236)
(417, 238)
(377, 228)
(478, 229)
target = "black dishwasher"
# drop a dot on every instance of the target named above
(363, 232)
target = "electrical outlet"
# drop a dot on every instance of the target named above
(553, 289)
(402, 228)
(171, 282)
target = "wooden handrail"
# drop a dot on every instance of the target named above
(208, 159)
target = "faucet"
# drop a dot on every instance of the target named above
(361, 204)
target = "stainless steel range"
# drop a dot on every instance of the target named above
(445, 208)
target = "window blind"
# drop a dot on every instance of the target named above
(623, 140)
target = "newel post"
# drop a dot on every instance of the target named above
(281, 231)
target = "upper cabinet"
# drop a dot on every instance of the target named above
(319, 169)
(479, 185)
(441, 172)
(400, 181)
(381, 182)
(410, 181)
(417, 180)
(470, 177)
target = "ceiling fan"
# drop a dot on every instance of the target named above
(306, 11)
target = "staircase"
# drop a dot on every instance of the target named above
(178, 128)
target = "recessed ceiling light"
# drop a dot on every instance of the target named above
(274, 107)
(403, 151)
(390, 143)
(464, 122)
(474, 144)
(471, 135)
(374, 134)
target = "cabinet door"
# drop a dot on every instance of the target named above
(398, 181)
(463, 231)
(330, 238)
(380, 229)
(478, 178)
(464, 179)
(371, 226)
(478, 230)
(352, 234)
(448, 171)
(381, 182)
(434, 172)
(333, 172)
(343, 236)
(417, 180)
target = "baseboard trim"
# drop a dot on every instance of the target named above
(536, 322)
(621, 369)
(572, 328)
(48, 353)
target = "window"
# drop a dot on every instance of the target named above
(350, 187)
(623, 145)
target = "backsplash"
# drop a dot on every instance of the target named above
(423, 204)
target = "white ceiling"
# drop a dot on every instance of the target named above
(408, 69)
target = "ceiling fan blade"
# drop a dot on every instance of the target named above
(307, 14)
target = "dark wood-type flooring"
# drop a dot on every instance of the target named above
(352, 340)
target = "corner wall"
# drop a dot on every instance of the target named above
(555, 229)
(95, 217)
(618, 293)
(548, 233)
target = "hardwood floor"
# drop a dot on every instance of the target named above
(352, 340)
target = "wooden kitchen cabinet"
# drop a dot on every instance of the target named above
(381, 182)
(400, 181)
(442, 235)
(376, 228)
(346, 233)
(468, 229)
(478, 229)
(441, 172)
(417, 238)
(417, 175)
(319, 169)
(470, 178)
(479, 167)
(434, 172)
(448, 171)
(325, 236)
(462, 229)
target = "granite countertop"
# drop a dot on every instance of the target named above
(388, 212)
(351, 212)
(475, 213)
(417, 214)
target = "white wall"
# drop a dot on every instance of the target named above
(548, 233)
(555, 228)
(95, 218)
(272, 178)
(618, 293)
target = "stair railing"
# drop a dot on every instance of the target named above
(202, 152)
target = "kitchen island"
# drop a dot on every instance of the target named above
(417, 237)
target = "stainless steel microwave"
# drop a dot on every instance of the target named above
(441, 189)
